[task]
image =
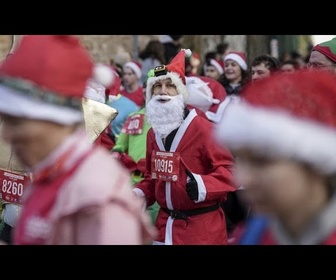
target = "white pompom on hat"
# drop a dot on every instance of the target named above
(103, 74)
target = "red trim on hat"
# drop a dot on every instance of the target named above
(325, 51)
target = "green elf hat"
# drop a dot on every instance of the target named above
(328, 48)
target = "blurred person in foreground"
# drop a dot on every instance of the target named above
(13, 177)
(79, 194)
(286, 149)
(323, 56)
(186, 171)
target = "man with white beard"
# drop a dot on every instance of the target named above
(186, 172)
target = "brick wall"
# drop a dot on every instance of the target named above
(102, 47)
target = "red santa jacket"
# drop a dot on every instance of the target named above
(212, 169)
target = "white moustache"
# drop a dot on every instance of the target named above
(162, 97)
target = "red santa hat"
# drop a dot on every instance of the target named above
(135, 66)
(207, 93)
(328, 48)
(238, 57)
(289, 116)
(217, 64)
(46, 79)
(114, 89)
(175, 71)
(202, 92)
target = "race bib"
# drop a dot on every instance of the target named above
(12, 186)
(165, 165)
(133, 124)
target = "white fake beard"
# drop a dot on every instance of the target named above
(165, 117)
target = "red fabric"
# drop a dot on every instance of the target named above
(177, 65)
(141, 165)
(199, 112)
(303, 98)
(57, 63)
(41, 199)
(217, 89)
(128, 162)
(216, 176)
(326, 50)
(114, 89)
(105, 141)
(136, 96)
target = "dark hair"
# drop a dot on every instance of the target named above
(175, 37)
(271, 62)
(293, 62)
(222, 47)
(154, 49)
(245, 78)
(210, 55)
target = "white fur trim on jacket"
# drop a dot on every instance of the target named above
(278, 134)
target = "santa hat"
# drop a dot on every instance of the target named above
(46, 78)
(289, 116)
(95, 91)
(200, 94)
(327, 48)
(175, 71)
(217, 64)
(238, 57)
(135, 66)
(114, 89)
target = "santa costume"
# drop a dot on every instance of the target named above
(187, 174)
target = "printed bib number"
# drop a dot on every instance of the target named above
(133, 124)
(12, 186)
(165, 165)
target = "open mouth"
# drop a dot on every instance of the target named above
(163, 99)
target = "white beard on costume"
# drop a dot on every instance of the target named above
(165, 117)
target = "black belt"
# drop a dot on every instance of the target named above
(138, 173)
(184, 214)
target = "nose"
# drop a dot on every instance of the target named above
(255, 77)
(164, 90)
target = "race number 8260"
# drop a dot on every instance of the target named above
(12, 186)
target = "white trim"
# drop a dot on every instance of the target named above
(202, 192)
(182, 129)
(237, 58)
(16, 103)
(277, 133)
(216, 116)
(176, 80)
(135, 68)
(215, 64)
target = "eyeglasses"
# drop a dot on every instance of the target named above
(318, 66)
